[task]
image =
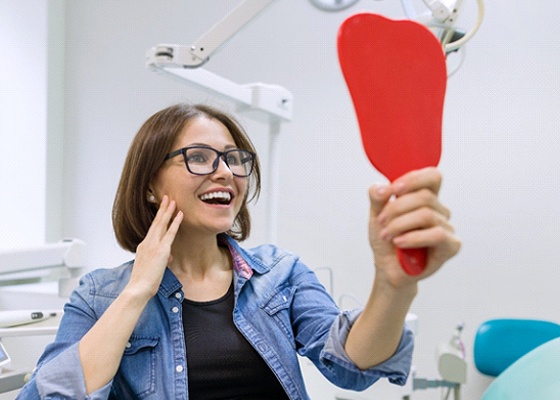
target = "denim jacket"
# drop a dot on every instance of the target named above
(280, 307)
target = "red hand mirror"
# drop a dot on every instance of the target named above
(396, 74)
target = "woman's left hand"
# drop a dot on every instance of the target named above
(408, 214)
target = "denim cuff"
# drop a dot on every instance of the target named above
(396, 368)
(63, 378)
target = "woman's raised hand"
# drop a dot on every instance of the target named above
(154, 252)
(414, 219)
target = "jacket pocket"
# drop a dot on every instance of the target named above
(278, 307)
(138, 366)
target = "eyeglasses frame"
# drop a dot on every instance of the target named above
(219, 154)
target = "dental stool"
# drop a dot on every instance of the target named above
(523, 355)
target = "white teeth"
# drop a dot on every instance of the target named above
(216, 195)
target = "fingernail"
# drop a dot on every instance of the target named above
(381, 189)
(399, 186)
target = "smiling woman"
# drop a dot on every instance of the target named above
(197, 316)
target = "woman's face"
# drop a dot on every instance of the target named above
(203, 199)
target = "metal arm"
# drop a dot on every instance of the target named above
(173, 55)
(438, 9)
(442, 17)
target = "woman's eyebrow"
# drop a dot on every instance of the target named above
(227, 146)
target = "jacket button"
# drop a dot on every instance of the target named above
(179, 368)
(175, 310)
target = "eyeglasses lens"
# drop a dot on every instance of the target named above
(203, 161)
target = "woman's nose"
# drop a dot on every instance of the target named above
(223, 169)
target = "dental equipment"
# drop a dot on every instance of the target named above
(31, 264)
(442, 21)
(500, 342)
(533, 376)
(25, 263)
(199, 52)
(4, 357)
(445, 18)
(23, 317)
(452, 367)
(13, 377)
(522, 354)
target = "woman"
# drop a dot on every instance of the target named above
(196, 316)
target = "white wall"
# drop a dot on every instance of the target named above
(499, 156)
(23, 122)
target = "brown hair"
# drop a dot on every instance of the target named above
(132, 212)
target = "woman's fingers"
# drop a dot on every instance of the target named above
(423, 198)
(173, 228)
(442, 244)
(407, 213)
(416, 219)
(428, 178)
(161, 221)
(426, 237)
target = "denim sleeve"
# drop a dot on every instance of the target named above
(322, 329)
(59, 374)
(334, 357)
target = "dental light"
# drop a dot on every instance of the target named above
(441, 18)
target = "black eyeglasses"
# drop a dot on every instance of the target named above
(203, 160)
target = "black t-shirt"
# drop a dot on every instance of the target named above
(221, 364)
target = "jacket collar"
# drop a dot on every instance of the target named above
(169, 284)
(244, 261)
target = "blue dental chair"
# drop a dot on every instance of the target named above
(523, 355)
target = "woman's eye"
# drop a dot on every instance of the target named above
(197, 158)
(233, 159)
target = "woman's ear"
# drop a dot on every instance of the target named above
(151, 196)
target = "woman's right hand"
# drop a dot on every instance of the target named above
(101, 348)
(154, 252)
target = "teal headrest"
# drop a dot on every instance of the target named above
(500, 342)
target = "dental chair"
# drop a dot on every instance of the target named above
(523, 355)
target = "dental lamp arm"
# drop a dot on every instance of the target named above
(438, 9)
(446, 19)
(480, 15)
(172, 55)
